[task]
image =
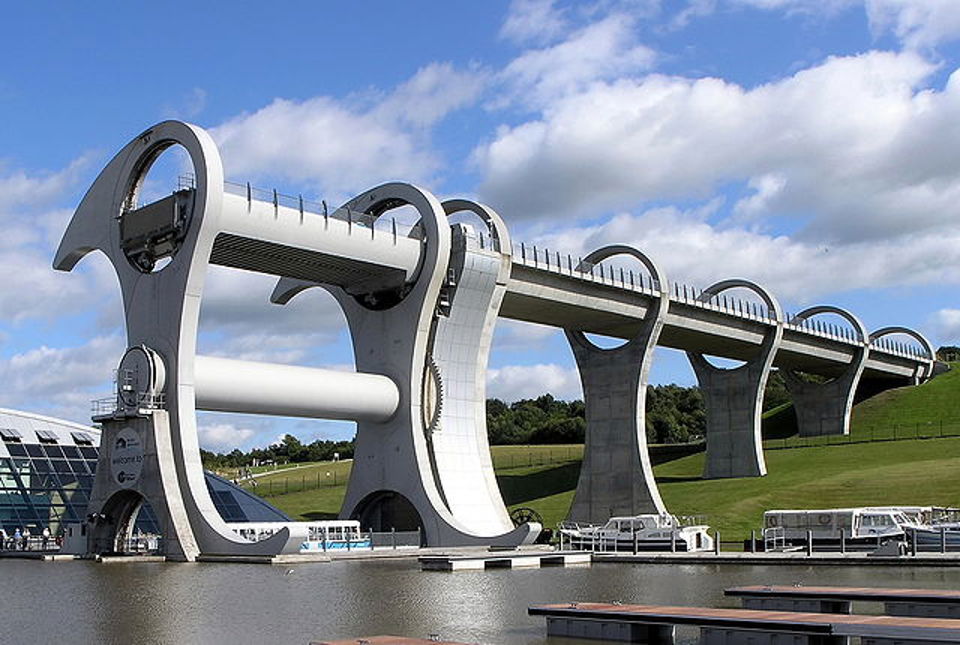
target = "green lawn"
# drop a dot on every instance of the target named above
(859, 474)
(854, 471)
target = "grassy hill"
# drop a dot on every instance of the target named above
(903, 448)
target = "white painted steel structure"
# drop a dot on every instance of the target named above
(421, 305)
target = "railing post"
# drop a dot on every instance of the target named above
(301, 208)
(249, 197)
(393, 537)
(943, 539)
(673, 540)
(913, 543)
(809, 543)
(716, 542)
(753, 540)
(843, 540)
(636, 542)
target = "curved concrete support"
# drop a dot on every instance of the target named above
(162, 308)
(616, 477)
(429, 465)
(824, 408)
(734, 397)
(923, 371)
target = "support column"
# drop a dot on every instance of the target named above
(157, 429)
(824, 408)
(734, 397)
(616, 477)
(429, 465)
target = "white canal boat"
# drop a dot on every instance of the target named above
(870, 525)
(648, 532)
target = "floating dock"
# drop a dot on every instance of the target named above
(656, 624)
(505, 559)
(927, 603)
(387, 640)
(788, 558)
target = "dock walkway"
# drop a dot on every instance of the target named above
(387, 640)
(656, 624)
(928, 603)
(503, 559)
(779, 558)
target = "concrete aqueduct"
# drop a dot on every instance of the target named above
(421, 306)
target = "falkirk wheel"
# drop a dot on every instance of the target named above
(421, 308)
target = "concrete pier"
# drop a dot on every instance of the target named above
(616, 477)
(734, 397)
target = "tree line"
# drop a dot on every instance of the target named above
(674, 414)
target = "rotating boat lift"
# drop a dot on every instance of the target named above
(421, 307)
(407, 326)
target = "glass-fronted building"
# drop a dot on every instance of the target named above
(46, 475)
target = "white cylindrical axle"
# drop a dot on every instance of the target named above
(227, 385)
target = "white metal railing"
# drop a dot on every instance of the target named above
(564, 264)
(110, 404)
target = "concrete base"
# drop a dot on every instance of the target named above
(811, 605)
(720, 636)
(734, 402)
(823, 409)
(606, 630)
(922, 609)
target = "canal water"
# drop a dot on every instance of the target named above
(85, 602)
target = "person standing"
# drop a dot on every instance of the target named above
(17, 539)
(45, 537)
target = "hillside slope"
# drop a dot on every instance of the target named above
(868, 468)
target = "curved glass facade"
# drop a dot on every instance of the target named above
(46, 475)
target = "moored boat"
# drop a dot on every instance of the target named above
(647, 532)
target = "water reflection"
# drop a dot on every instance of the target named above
(217, 603)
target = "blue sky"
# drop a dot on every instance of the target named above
(809, 145)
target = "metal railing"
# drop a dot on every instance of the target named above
(564, 264)
(110, 404)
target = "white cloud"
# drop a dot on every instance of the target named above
(513, 382)
(514, 335)
(857, 145)
(61, 381)
(917, 23)
(601, 50)
(946, 326)
(344, 146)
(536, 21)
(692, 251)
(237, 320)
(224, 437)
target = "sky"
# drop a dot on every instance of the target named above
(808, 145)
